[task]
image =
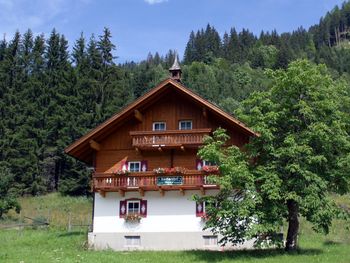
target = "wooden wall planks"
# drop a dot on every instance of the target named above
(170, 108)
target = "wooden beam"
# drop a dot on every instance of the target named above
(138, 115)
(122, 193)
(95, 145)
(205, 113)
(183, 148)
(182, 191)
(102, 193)
(142, 192)
(138, 151)
(161, 191)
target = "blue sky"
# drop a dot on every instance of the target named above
(142, 26)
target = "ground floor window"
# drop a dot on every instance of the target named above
(133, 241)
(133, 207)
(210, 240)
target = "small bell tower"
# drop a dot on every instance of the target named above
(175, 70)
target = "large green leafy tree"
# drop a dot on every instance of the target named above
(300, 158)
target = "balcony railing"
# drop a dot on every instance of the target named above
(174, 138)
(151, 181)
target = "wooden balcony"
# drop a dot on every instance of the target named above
(168, 139)
(150, 181)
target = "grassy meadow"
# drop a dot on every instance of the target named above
(56, 244)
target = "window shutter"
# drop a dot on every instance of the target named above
(144, 166)
(125, 166)
(122, 208)
(199, 164)
(199, 209)
(143, 208)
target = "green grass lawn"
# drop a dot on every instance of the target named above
(60, 246)
(55, 244)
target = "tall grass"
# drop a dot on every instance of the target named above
(54, 208)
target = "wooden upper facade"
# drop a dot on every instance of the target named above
(135, 149)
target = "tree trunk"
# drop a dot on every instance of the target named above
(293, 225)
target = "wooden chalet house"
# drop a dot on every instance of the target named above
(146, 169)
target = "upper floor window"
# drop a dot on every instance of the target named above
(134, 166)
(159, 126)
(185, 125)
(208, 163)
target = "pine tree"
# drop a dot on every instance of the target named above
(190, 51)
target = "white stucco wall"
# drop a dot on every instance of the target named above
(172, 212)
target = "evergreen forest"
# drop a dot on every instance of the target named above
(51, 92)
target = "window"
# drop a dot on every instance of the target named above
(134, 166)
(207, 163)
(185, 125)
(159, 126)
(201, 163)
(133, 207)
(201, 207)
(210, 240)
(132, 241)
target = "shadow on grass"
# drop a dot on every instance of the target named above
(331, 243)
(72, 233)
(216, 256)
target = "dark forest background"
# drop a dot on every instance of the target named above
(49, 96)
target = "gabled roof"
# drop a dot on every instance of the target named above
(81, 150)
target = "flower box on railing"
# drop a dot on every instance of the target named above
(133, 218)
(204, 217)
(211, 169)
(169, 171)
(121, 172)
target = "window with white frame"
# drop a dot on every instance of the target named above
(208, 163)
(185, 125)
(159, 126)
(208, 203)
(133, 241)
(134, 166)
(210, 240)
(133, 207)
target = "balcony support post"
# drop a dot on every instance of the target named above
(182, 191)
(121, 192)
(205, 114)
(95, 145)
(202, 190)
(161, 191)
(138, 115)
(142, 192)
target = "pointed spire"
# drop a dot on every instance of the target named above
(175, 70)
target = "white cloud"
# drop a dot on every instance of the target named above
(152, 2)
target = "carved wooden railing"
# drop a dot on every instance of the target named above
(143, 139)
(151, 181)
